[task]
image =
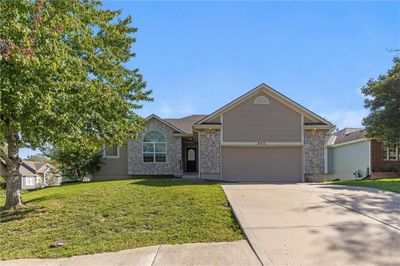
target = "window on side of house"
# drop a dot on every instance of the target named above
(391, 153)
(30, 180)
(154, 148)
(385, 156)
(111, 151)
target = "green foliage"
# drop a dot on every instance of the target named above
(75, 163)
(38, 158)
(63, 74)
(96, 217)
(383, 100)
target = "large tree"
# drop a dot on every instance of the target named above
(383, 101)
(64, 79)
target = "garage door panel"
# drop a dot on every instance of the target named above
(272, 164)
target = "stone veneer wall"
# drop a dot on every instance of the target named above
(314, 161)
(172, 166)
(210, 153)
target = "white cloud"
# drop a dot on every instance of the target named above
(346, 118)
(165, 110)
(187, 108)
(181, 109)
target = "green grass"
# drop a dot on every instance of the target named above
(390, 184)
(110, 216)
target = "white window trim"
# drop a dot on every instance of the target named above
(154, 153)
(30, 178)
(388, 154)
(108, 156)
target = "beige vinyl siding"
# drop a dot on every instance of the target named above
(273, 122)
(114, 168)
(215, 120)
(272, 164)
(307, 120)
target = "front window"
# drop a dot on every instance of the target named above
(154, 148)
(111, 151)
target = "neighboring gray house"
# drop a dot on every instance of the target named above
(351, 155)
(260, 136)
(38, 175)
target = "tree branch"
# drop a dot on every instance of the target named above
(4, 158)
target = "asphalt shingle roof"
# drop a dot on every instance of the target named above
(32, 168)
(346, 135)
(185, 123)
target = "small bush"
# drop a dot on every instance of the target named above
(387, 169)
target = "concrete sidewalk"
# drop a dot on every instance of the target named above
(308, 224)
(221, 253)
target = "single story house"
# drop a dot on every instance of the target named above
(351, 155)
(261, 136)
(38, 175)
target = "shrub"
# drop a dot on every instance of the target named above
(387, 169)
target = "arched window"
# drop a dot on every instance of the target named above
(154, 147)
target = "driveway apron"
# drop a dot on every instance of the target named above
(309, 224)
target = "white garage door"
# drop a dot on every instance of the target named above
(272, 164)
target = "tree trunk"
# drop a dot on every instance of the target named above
(13, 192)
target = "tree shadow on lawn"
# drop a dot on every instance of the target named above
(43, 198)
(20, 214)
(172, 182)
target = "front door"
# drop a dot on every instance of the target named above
(191, 160)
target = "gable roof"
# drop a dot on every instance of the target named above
(276, 95)
(153, 116)
(26, 170)
(32, 167)
(185, 123)
(346, 135)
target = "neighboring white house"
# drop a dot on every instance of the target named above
(348, 155)
(38, 175)
(351, 155)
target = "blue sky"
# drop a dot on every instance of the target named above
(198, 56)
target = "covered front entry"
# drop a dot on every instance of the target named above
(190, 155)
(267, 164)
(191, 162)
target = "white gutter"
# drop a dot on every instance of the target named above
(348, 143)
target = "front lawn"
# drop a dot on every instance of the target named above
(110, 216)
(390, 184)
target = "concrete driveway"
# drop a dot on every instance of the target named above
(309, 224)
